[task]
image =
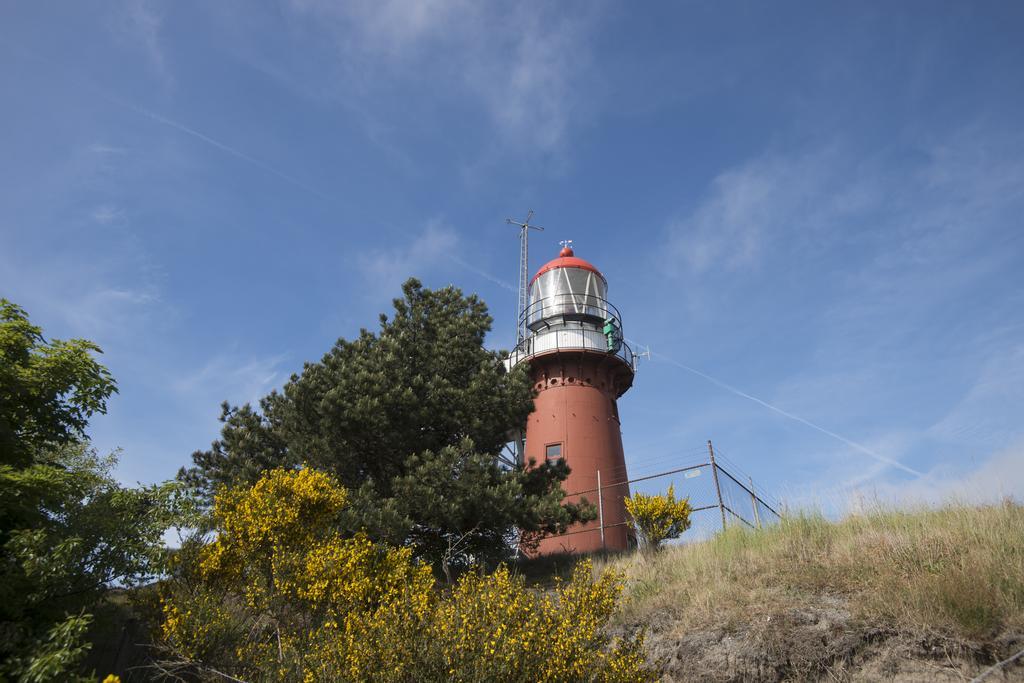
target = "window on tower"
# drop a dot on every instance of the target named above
(553, 452)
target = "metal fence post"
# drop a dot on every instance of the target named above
(753, 501)
(600, 508)
(718, 488)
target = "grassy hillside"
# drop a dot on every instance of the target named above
(898, 595)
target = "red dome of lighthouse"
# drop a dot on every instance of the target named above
(567, 259)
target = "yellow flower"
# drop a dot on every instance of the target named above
(294, 599)
(659, 518)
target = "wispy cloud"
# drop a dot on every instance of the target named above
(974, 450)
(105, 214)
(436, 243)
(224, 147)
(830, 478)
(101, 309)
(225, 376)
(99, 284)
(996, 477)
(90, 299)
(388, 268)
(531, 93)
(860, 448)
(141, 22)
(971, 480)
(749, 209)
(922, 202)
(978, 418)
(101, 148)
(891, 249)
(487, 275)
(524, 66)
(395, 28)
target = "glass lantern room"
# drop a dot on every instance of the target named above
(568, 293)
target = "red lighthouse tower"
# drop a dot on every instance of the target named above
(580, 366)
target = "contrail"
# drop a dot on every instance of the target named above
(181, 127)
(152, 115)
(508, 286)
(483, 273)
(791, 416)
(728, 387)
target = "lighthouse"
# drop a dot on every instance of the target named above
(580, 366)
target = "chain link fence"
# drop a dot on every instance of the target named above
(720, 494)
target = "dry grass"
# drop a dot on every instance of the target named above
(957, 570)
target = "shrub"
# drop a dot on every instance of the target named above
(658, 518)
(495, 628)
(280, 594)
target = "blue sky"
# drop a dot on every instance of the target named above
(815, 205)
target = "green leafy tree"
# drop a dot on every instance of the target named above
(48, 390)
(409, 419)
(68, 530)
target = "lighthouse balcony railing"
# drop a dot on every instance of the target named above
(568, 306)
(558, 339)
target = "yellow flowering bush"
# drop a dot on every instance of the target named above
(658, 518)
(280, 594)
(494, 628)
(283, 514)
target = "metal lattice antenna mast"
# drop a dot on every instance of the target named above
(524, 273)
